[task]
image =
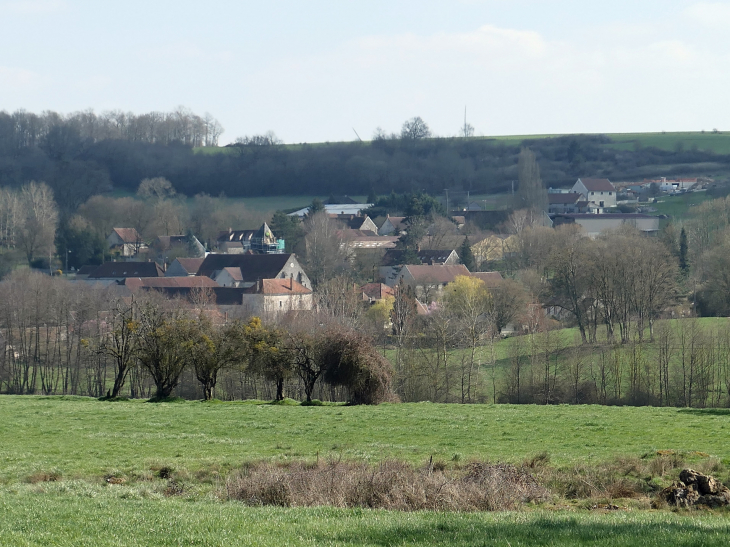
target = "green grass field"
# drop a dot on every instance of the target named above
(76, 442)
(680, 206)
(83, 438)
(76, 515)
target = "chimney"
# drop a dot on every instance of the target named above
(291, 282)
(257, 285)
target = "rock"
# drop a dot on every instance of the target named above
(680, 494)
(694, 488)
(713, 501)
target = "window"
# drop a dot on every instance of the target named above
(609, 193)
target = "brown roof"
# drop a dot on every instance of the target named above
(491, 279)
(235, 235)
(111, 270)
(128, 235)
(235, 273)
(598, 185)
(394, 257)
(437, 273)
(563, 198)
(397, 222)
(253, 267)
(279, 287)
(377, 291)
(190, 265)
(157, 282)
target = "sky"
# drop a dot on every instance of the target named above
(320, 71)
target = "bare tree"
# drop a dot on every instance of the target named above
(415, 129)
(326, 252)
(121, 342)
(38, 221)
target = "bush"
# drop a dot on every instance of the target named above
(352, 361)
(392, 485)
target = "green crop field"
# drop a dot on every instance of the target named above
(55, 453)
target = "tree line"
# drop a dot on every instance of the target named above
(84, 154)
(65, 338)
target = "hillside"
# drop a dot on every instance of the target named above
(79, 160)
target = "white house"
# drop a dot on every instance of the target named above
(599, 193)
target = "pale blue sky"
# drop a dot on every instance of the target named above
(311, 71)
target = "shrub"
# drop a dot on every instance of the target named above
(393, 485)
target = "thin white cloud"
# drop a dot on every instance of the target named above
(19, 79)
(33, 7)
(714, 15)
(182, 52)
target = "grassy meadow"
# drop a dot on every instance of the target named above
(82, 438)
(78, 515)
(58, 453)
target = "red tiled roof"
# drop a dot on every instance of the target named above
(128, 235)
(377, 291)
(279, 287)
(235, 273)
(190, 265)
(158, 282)
(491, 279)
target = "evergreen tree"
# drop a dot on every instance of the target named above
(531, 193)
(683, 264)
(466, 256)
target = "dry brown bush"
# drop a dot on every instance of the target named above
(390, 485)
(44, 476)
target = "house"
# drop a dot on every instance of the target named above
(393, 261)
(234, 241)
(114, 272)
(124, 241)
(375, 292)
(364, 224)
(491, 279)
(182, 267)
(277, 296)
(494, 248)
(250, 268)
(199, 281)
(392, 225)
(473, 206)
(188, 245)
(599, 193)
(595, 224)
(336, 209)
(262, 241)
(567, 202)
(673, 186)
(429, 280)
(357, 239)
(270, 296)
